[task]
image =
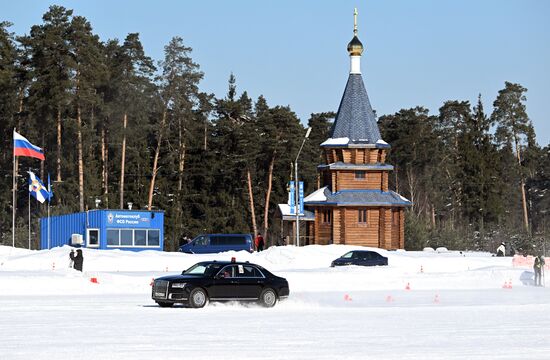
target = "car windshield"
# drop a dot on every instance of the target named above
(207, 269)
(347, 255)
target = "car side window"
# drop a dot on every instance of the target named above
(228, 271)
(248, 271)
(215, 240)
(201, 241)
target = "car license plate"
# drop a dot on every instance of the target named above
(160, 294)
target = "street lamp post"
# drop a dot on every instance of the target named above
(297, 192)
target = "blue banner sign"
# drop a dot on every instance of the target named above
(301, 196)
(127, 218)
(292, 198)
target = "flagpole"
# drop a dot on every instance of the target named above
(13, 203)
(29, 219)
(49, 202)
(49, 224)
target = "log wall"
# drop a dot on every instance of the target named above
(359, 233)
(345, 180)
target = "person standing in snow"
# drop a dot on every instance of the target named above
(77, 259)
(501, 250)
(259, 242)
(71, 255)
(538, 266)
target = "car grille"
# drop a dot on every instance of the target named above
(160, 289)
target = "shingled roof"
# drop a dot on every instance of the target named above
(355, 119)
(324, 196)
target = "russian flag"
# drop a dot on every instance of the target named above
(37, 188)
(23, 147)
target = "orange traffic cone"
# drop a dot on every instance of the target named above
(347, 297)
(389, 299)
(53, 265)
(507, 284)
(94, 280)
(436, 299)
(408, 287)
(421, 269)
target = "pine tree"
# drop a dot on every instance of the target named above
(183, 110)
(131, 72)
(85, 51)
(489, 183)
(179, 96)
(51, 65)
(234, 120)
(416, 155)
(538, 187)
(281, 135)
(9, 89)
(513, 127)
(312, 154)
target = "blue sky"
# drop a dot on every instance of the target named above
(420, 52)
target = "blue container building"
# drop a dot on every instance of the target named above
(105, 229)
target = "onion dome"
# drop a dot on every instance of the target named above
(355, 47)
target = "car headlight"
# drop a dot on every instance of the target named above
(178, 285)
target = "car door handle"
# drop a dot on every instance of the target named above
(234, 282)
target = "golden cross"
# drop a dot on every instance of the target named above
(355, 21)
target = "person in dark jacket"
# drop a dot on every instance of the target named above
(259, 242)
(501, 250)
(538, 268)
(77, 259)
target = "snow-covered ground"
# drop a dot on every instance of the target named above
(456, 308)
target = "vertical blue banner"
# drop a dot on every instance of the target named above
(292, 198)
(301, 196)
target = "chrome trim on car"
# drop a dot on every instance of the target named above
(233, 299)
(171, 297)
(160, 287)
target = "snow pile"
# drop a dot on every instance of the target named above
(423, 305)
(306, 268)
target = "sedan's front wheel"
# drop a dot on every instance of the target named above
(268, 298)
(198, 298)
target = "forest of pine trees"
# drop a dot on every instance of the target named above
(118, 126)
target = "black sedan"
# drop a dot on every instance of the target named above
(220, 281)
(361, 257)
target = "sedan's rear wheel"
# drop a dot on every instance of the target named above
(268, 298)
(198, 298)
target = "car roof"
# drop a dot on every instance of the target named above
(227, 235)
(228, 263)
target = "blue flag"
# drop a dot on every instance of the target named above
(37, 188)
(50, 190)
